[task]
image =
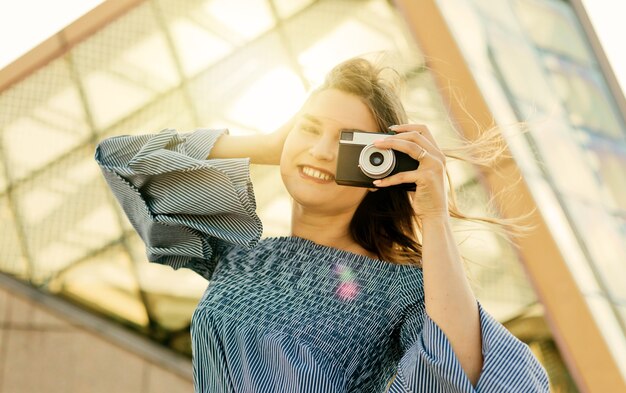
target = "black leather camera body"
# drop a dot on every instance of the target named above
(359, 163)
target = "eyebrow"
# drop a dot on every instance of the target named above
(312, 119)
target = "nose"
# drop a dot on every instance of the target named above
(324, 149)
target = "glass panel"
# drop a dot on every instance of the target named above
(347, 31)
(3, 181)
(493, 267)
(125, 66)
(172, 294)
(512, 131)
(621, 309)
(600, 233)
(622, 227)
(42, 118)
(258, 97)
(103, 282)
(609, 160)
(468, 27)
(287, 8)
(66, 213)
(169, 111)
(422, 104)
(241, 20)
(565, 160)
(587, 101)
(553, 26)
(499, 11)
(11, 259)
(199, 42)
(517, 66)
(252, 107)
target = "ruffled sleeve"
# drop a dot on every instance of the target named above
(185, 207)
(429, 365)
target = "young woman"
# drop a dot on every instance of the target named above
(351, 301)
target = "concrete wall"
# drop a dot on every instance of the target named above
(44, 351)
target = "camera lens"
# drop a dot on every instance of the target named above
(376, 163)
(376, 159)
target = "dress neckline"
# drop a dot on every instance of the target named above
(294, 242)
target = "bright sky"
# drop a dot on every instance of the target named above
(25, 23)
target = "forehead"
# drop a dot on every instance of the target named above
(336, 109)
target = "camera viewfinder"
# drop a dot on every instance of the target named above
(347, 135)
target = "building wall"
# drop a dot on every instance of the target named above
(44, 351)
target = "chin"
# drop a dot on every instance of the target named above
(329, 198)
(310, 196)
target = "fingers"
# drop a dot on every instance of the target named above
(420, 134)
(412, 144)
(419, 128)
(409, 147)
(412, 139)
(398, 178)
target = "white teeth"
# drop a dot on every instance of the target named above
(315, 173)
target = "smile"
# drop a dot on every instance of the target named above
(316, 174)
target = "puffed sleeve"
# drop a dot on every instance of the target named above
(428, 363)
(185, 207)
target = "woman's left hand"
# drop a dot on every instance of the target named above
(430, 198)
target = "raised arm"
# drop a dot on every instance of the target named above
(260, 148)
(187, 209)
(458, 350)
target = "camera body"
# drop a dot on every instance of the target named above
(359, 163)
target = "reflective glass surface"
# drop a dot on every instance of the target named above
(494, 271)
(533, 60)
(125, 66)
(65, 212)
(287, 8)
(48, 105)
(553, 27)
(12, 259)
(514, 62)
(106, 282)
(587, 100)
(609, 161)
(566, 160)
(605, 245)
(3, 180)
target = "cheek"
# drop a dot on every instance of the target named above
(287, 155)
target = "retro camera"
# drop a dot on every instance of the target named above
(359, 163)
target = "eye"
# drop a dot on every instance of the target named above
(310, 130)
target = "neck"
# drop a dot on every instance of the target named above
(325, 228)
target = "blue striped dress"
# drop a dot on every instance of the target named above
(285, 314)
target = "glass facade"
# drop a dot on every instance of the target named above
(222, 64)
(534, 64)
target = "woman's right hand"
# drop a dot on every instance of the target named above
(260, 148)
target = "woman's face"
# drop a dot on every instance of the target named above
(309, 158)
